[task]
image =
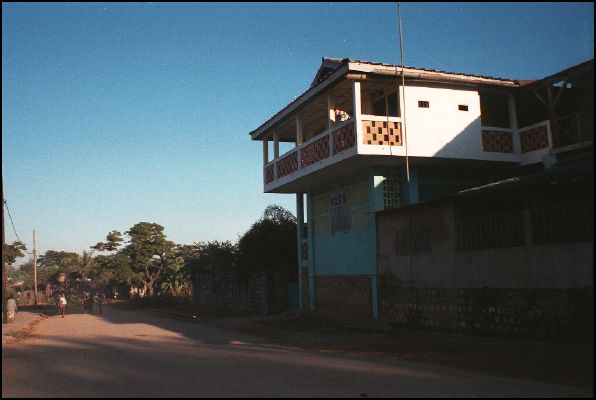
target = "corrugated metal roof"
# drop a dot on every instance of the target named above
(331, 65)
(428, 70)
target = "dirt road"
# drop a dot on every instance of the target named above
(138, 354)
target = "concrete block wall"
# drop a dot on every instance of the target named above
(539, 314)
(343, 297)
(262, 293)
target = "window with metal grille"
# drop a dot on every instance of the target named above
(339, 212)
(391, 192)
(562, 223)
(423, 104)
(489, 231)
(358, 207)
(462, 107)
(321, 215)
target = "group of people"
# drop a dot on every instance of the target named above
(61, 303)
(136, 293)
(88, 301)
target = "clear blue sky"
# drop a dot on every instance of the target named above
(113, 114)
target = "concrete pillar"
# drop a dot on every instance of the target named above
(300, 234)
(311, 250)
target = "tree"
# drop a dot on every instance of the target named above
(111, 269)
(270, 244)
(53, 265)
(65, 261)
(214, 256)
(13, 251)
(148, 252)
(112, 243)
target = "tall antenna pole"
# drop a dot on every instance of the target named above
(403, 88)
(4, 271)
(35, 267)
(403, 83)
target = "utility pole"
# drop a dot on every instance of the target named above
(4, 271)
(34, 267)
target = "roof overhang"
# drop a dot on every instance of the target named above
(363, 70)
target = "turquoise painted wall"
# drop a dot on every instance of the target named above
(346, 253)
(352, 252)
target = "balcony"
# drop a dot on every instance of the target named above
(344, 148)
(329, 147)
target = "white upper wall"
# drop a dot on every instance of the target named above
(441, 130)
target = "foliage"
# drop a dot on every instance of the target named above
(112, 269)
(65, 261)
(112, 243)
(24, 273)
(148, 252)
(176, 281)
(212, 256)
(13, 251)
(269, 245)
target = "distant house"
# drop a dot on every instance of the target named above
(410, 194)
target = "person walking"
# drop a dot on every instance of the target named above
(62, 304)
(98, 300)
(87, 303)
(11, 308)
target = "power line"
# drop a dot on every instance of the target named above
(12, 223)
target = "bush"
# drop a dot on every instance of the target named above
(269, 245)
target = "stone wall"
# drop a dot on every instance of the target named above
(343, 297)
(543, 314)
(262, 293)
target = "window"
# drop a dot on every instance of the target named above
(462, 107)
(339, 212)
(489, 231)
(321, 217)
(423, 104)
(563, 223)
(391, 192)
(387, 105)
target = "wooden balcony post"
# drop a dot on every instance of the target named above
(331, 110)
(265, 150)
(275, 145)
(299, 138)
(299, 132)
(513, 124)
(357, 113)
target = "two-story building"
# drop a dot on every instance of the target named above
(412, 135)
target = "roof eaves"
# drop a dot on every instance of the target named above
(355, 65)
(292, 106)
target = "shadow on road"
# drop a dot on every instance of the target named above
(545, 362)
(133, 354)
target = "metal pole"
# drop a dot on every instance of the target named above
(4, 271)
(34, 268)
